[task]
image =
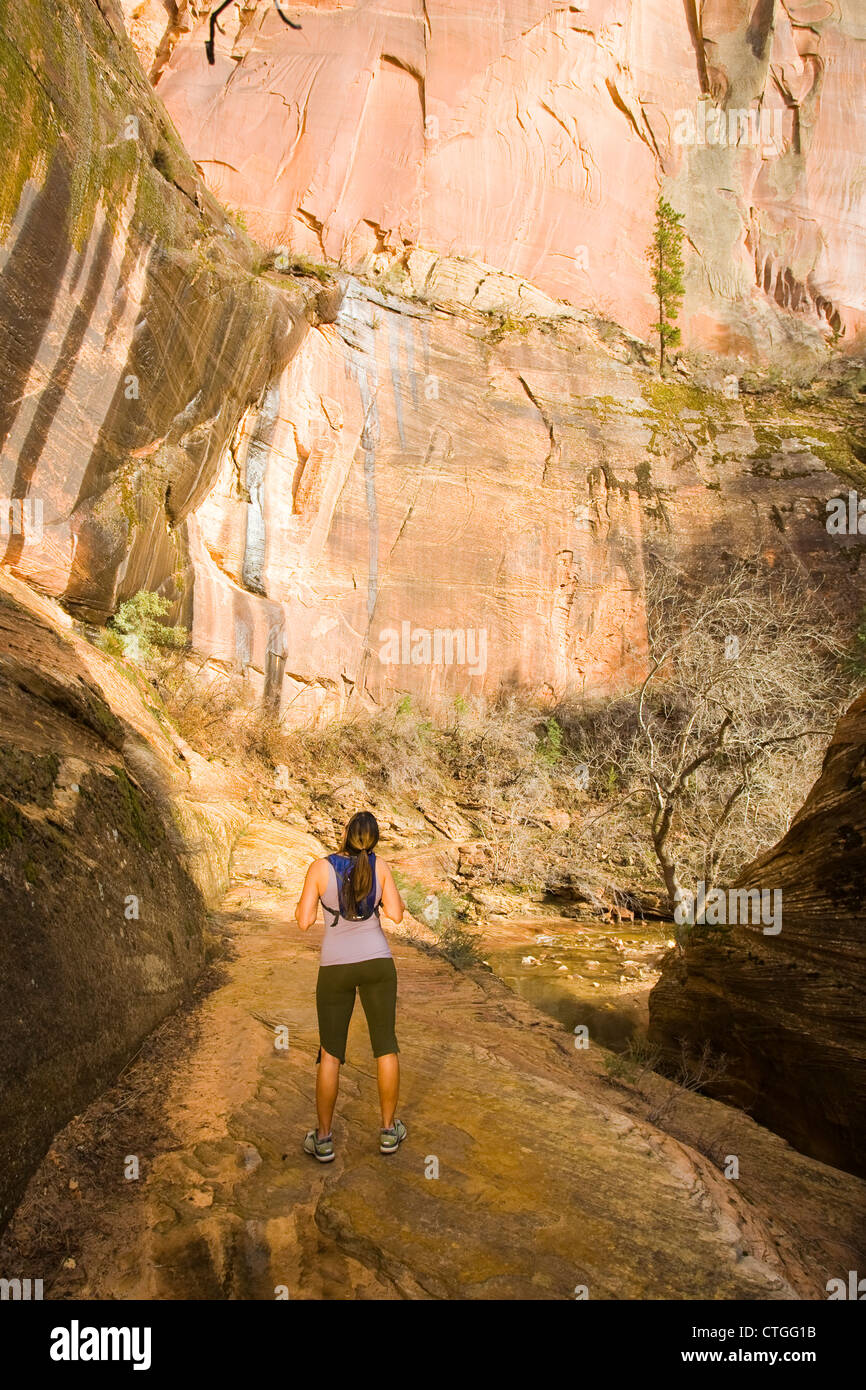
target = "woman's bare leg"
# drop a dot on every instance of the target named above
(327, 1086)
(388, 1076)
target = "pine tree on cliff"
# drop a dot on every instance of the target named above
(666, 261)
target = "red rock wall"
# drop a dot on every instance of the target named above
(411, 467)
(305, 469)
(533, 136)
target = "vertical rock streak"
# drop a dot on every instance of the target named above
(256, 469)
(358, 325)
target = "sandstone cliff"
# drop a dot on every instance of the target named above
(533, 136)
(312, 470)
(135, 330)
(787, 1010)
(418, 466)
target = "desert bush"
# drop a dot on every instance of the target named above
(212, 711)
(140, 629)
(695, 1071)
(714, 754)
(238, 217)
(637, 1058)
(454, 940)
(390, 750)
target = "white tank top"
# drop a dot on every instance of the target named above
(346, 942)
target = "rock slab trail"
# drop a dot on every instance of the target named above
(522, 1176)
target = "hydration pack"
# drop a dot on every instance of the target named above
(367, 907)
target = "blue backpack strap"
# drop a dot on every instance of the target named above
(329, 911)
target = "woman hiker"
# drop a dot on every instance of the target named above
(351, 886)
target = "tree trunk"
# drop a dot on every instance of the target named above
(661, 339)
(666, 862)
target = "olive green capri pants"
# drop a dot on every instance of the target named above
(376, 982)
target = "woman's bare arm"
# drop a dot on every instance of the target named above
(307, 909)
(391, 901)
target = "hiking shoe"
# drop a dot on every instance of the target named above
(322, 1149)
(391, 1139)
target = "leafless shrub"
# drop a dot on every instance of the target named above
(693, 1072)
(212, 710)
(716, 751)
(741, 692)
(389, 751)
(634, 1063)
(713, 1146)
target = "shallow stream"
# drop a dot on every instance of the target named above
(581, 973)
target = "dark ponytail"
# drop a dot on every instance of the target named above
(360, 838)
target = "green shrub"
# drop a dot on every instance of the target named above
(238, 216)
(282, 260)
(460, 946)
(109, 642)
(504, 321)
(550, 743)
(139, 621)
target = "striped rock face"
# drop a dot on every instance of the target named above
(133, 334)
(423, 504)
(533, 137)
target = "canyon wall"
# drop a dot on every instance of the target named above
(134, 329)
(534, 136)
(787, 1009)
(431, 478)
(421, 469)
(102, 909)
